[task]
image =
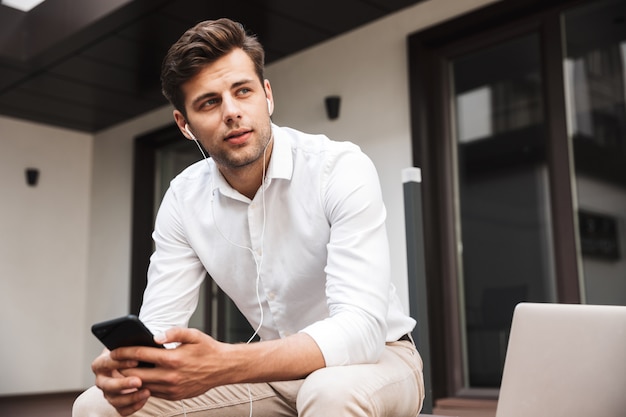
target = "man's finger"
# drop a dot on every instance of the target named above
(129, 403)
(116, 386)
(179, 335)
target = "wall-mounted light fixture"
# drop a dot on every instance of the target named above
(332, 107)
(32, 176)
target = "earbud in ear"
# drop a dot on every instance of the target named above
(269, 105)
(189, 131)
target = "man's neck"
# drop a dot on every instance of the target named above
(247, 180)
(247, 183)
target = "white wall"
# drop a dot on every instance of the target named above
(44, 235)
(367, 67)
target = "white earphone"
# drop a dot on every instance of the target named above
(189, 131)
(269, 106)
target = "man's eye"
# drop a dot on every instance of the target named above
(210, 102)
(244, 90)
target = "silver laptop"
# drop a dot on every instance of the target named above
(565, 360)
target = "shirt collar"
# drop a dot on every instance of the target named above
(281, 162)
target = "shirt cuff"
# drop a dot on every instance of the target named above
(333, 347)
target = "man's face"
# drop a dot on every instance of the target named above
(228, 112)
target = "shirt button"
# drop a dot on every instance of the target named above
(271, 295)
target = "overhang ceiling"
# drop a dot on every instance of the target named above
(90, 64)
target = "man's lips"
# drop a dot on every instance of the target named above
(238, 137)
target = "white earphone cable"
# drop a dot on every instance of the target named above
(258, 262)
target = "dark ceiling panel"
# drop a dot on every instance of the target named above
(276, 35)
(193, 11)
(82, 94)
(279, 35)
(149, 38)
(99, 74)
(9, 77)
(329, 16)
(116, 51)
(46, 110)
(392, 5)
(108, 72)
(156, 28)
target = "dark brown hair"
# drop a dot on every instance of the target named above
(201, 45)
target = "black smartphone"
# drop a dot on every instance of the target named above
(125, 331)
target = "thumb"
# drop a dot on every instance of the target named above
(178, 335)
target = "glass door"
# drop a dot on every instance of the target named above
(595, 74)
(502, 197)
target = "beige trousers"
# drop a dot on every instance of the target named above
(393, 387)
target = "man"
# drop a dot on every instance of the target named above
(292, 227)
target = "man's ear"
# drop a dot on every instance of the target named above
(270, 97)
(183, 126)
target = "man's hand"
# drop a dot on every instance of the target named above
(197, 364)
(200, 363)
(123, 393)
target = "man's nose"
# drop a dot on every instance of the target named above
(230, 109)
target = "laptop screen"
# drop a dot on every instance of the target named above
(565, 360)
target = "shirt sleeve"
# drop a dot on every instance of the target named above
(175, 272)
(357, 270)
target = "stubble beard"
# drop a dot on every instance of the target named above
(236, 159)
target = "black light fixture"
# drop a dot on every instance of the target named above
(332, 107)
(32, 176)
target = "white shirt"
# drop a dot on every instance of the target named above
(316, 233)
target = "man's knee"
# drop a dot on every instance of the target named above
(321, 394)
(92, 403)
